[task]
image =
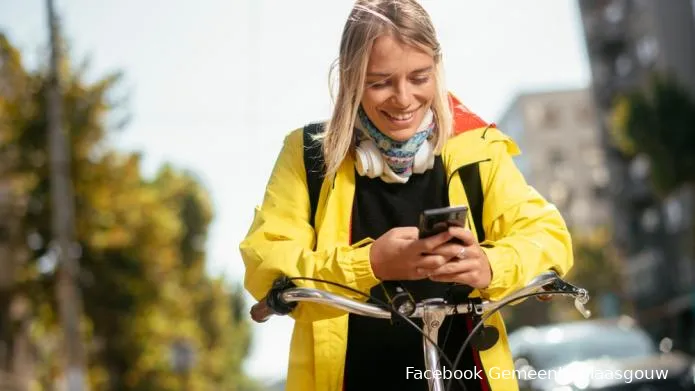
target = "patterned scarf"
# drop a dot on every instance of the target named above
(399, 155)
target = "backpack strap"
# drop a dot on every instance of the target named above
(314, 166)
(470, 178)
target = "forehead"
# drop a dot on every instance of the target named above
(389, 55)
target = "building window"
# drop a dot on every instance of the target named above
(615, 11)
(600, 192)
(544, 115)
(650, 220)
(647, 49)
(623, 65)
(639, 168)
(674, 213)
(551, 117)
(559, 194)
(584, 114)
(593, 156)
(600, 177)
(555, 157)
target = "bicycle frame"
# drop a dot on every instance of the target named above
(432, 311)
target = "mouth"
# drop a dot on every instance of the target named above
(399, 117)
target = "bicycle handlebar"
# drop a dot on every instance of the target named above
(283, 297)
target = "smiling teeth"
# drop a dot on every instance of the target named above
(401, 117)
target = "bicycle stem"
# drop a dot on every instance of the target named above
(433, 317)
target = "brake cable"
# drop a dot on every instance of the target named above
(485, 317)
(443, 355)
(392, 310)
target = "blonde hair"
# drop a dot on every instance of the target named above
(407, 21)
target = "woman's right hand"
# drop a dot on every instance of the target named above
(398, 254)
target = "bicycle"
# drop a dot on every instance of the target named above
(284, 296)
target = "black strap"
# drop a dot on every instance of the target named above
(470, 178)
(314, 166)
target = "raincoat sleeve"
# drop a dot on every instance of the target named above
(280, 240)
(525, 234)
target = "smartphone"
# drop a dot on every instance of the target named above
(434, 221)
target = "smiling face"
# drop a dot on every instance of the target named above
(400, 87)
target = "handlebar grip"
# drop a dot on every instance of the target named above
(260, 312)
(273, 304)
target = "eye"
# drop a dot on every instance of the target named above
(379, 84)
(420, 79)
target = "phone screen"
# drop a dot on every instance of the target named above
(434, 221)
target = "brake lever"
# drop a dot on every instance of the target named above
(580, 299)
(581, 295)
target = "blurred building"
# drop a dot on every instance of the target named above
(562, 154)
(562, 158)
(628, 40)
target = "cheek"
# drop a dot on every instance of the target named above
(372, 99)
(427, 94)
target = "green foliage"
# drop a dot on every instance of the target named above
(659, 122)
(142, 247)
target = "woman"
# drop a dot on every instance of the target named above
(391, 148)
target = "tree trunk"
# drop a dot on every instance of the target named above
(63, 227)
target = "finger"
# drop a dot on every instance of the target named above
(467, 278)
(455, 267)
(455, 251)
(411, 233)
(431, 262)
(418, 274)
(544, 297)
(426, 245)
(448, 250)
(463, 234)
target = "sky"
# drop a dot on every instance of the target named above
(213, 86)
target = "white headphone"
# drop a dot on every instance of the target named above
(370, 162)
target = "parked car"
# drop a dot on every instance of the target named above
(604, 354)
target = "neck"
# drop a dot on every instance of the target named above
(398, 155)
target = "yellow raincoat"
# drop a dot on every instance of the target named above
(525, 233)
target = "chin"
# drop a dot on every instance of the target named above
(400, 131)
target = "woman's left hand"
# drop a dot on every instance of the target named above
(467, 264)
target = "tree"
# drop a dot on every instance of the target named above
(142, 244)
(15, 85)
(659, 123)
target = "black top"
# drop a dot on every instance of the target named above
(380, 351)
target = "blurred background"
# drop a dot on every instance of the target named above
(174, 113)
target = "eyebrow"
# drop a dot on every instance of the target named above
(382, 74)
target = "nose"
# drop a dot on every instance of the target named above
(402, 96)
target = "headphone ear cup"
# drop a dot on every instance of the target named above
(368, 159)
(424, 158)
